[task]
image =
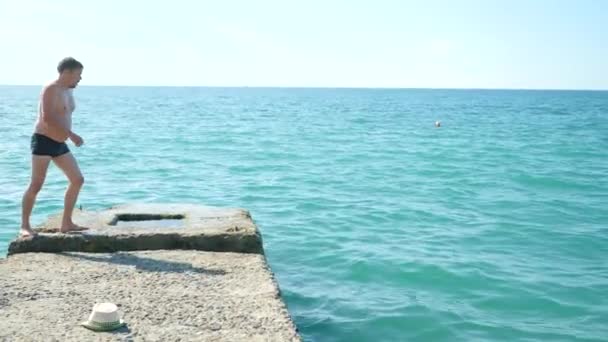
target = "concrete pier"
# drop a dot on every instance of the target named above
(176, 272)
(150, 227)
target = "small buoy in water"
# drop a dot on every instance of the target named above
(437, 123)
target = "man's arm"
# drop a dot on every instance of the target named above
(76, 139)
(50, 114)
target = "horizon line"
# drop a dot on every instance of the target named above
(314, 87)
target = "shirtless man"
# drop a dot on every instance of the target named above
(52, 129)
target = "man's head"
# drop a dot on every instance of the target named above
(70, 71)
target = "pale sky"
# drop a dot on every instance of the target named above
(546, 44)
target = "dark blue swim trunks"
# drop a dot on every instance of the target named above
(44, 146)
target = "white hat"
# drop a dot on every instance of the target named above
(104, 318)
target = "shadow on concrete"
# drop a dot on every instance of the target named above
(146, 264)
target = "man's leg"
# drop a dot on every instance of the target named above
(67, 163)
(40, 165)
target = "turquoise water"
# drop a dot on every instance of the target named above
(379, 226)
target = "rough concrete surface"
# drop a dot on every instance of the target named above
(139, 227)
(162, 295)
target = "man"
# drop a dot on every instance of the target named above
(52, 129)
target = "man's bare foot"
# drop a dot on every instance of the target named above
(71, 228)
(26, 232)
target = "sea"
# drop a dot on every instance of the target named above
(378, 225)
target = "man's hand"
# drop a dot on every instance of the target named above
(76, 139)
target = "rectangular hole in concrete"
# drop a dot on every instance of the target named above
(149, 221)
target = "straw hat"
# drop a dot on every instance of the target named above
(104, 317)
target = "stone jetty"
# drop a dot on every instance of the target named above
(177, 272)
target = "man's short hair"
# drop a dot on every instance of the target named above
(68, 63)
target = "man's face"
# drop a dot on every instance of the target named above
(74, 76)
